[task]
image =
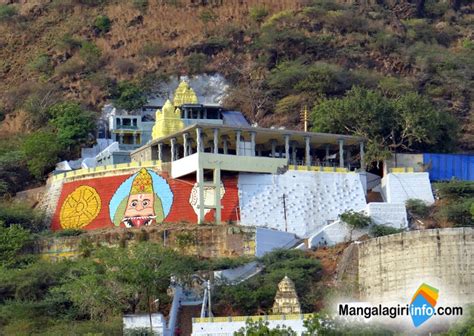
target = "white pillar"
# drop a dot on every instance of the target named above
(287, 148)
(225, 140)
(274, 143)
(362, 156)
(293, 152)
(237, 143)
(216, 141)
(173, 148)
(307, 151)
(160, 151)
(198, 139)
(185, 144)
(200, 183)
(252, 143)
(217, 194)
(341, 153)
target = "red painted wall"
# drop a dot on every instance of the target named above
(181, 209)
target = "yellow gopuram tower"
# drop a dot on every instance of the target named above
(168, 120)
(184, 94)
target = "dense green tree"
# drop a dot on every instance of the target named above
(41, 149)
(409, 122)
(13, 239)
(23, 215)
(74, 125)
(258, 293)
(128, 96)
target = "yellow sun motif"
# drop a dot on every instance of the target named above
(80, 208)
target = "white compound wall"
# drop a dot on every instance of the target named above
(313, 199)
(228, 328)
(390, 214)
(399, 187)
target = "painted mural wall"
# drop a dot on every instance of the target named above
(144, 198)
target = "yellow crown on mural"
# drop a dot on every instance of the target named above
(142, 184)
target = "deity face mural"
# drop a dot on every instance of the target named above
(142, 205)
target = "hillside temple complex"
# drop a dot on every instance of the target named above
(202, 163)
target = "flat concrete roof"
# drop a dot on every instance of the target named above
(263, 135)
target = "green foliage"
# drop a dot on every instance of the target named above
(185, 239)
(73, 124)
(356, 220)
(90, 55)
(385, 43)
(455, 189)
(42, 150)
(13, 171)
(7, 12)
(68, 42)
(126, 279)
(42, 64)
(408, 122)
(129, 96)
(207, 16)
(13, 239)
(258, 13)
(458, 213)
(465, 325)
(102, 23)
(139, 332)
(260, 328)
(417, 207)
(18, 213)
(196, 63)
(383, 230)
(258, 292)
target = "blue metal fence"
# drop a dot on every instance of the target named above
(447, 166)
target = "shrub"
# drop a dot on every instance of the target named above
(458, 213)
(102, 23)
(258, 13)
(68, 42)
(207, 15)
(355, 220)
(185, 239)
(455, 189)
(13, 240)
(17, 213)
(196, 63)
(7, 12)
(42, 64)
(90, 54)
(417, 207)
(385, 43)
(383, 230)
(71, 67)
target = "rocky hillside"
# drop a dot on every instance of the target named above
(279, 55)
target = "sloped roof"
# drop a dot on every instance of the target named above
(234, 118)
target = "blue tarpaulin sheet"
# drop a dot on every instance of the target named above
(449, 166)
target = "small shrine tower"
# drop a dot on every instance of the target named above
(286, 299)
